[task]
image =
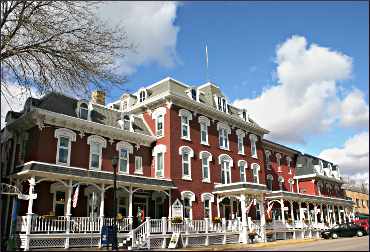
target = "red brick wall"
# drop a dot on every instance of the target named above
(308, 185)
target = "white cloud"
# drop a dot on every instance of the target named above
(352, 157)
(354, 110)
(150, 26)
(305, 100)
(13, 98)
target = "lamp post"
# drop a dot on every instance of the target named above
(114, 165)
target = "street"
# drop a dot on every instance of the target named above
(341, 244)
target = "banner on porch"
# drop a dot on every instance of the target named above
(75, 196)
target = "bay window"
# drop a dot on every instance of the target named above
(65, 138)
(185, 116)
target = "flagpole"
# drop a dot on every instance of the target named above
(207, 79)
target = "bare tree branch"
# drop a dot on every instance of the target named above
(60, 46)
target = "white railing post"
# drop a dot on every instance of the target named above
(244, 232)
(164, 231)
(206, 243)
(68, 213)
(187, 221)
(32, 183)
(147, 236)
(224, 230)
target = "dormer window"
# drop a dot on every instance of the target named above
(244, 114)
(142, 95)
(126, 122)
(83, 110)
(221, 104)
(193, 94)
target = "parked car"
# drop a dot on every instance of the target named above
(363, 223)
(344, 230)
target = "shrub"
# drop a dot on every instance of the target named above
(176, 220)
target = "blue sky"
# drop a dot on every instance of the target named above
(242, 38)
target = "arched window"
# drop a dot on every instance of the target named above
(226, 163)
(281, 183)
(270, 178)
(289, 160)
(158, 116)
(206, 157)
(65, 139)
(268, 161)
(253, 139)
(207, 199)
(97, 143)
(142, 95)
(241, 134)
(256, 168)
(278, 161)
(186, 153)
(124, 150)
(185, 117)
(188, 197)
(204, 124)
(83, 111)
(223, 135)
(158, 154)
(242, 166)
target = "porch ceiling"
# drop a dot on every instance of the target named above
(54, 171)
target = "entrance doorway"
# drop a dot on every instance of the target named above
(139, 203)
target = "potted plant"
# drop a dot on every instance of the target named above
(216, 220)
(51, 215)
(119, 216)
(289, 221)
(306, 221)
(176, 220)
(268, 220)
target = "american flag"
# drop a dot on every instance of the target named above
(269, 209)
(75, 196)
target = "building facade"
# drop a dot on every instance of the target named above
(175, 143)
(359, 197)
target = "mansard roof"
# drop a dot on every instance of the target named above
(65, 105)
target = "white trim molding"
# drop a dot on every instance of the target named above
(125, 145)
(188, 194)
(223, 156)
(67, 133)
(97, 139)
(208, 196)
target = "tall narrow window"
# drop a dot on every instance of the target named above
(289, 160)
(158, 116)
(65, 138)
(187, 208)
(142, 95)
(138, 165)
(123, 160)
(242, 166)
(159, 126)
(205, 157)
(204, 124)
(291, 184)
(226, 162)
(223, 131)
(187, 197)
(185, 117)
(255, 168)
(84, 111)
(158, 154)
(253, 139)
(219, 103)
(207, 199)
(186, 153)
(240, 133)
(59, 203)
(97, 143)
(278, 161)
(126, 122)
(268, 160)
(270, 178)
(281, 183)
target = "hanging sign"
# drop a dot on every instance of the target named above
(177, 209)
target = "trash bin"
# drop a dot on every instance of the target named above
(107, 235)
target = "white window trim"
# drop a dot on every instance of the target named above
(245, 165)
(291, 184)
(270, 177)
(157, 112)
(231, 164)
(268, 159)
(160, 148)
(278, 162)
(139, 171)
(57, 186)
(191, 196)
(182, 150)
(281, 180)
(89, 108)
(207, 122)
(189, 116)
(289, 162)
(206, 154)
(103, 144)
(130, 150)
(211, 198)
(71, 135)
(241, 134)
(221, 125)
(256, 166)
(253, 138)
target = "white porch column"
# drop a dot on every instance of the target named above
(315, 212)
(263, 219)
(218, 206)
(300, 211)
(68, 212)
(291, 211)
(244, 232)
(339, 215)
(101, 212)
(282, 210)
(169, 205)
(32, 183)
(334, 216)
(321, 213)
(130, 194)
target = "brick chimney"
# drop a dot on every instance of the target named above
(98, 97)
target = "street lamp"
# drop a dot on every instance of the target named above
(114, 165)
